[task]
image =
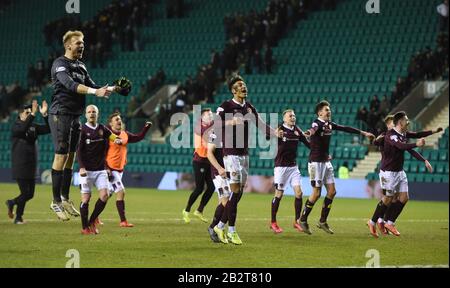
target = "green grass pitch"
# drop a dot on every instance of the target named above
(161, 239)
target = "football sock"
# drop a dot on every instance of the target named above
(120, 204)
(379, 211)
(398, 209)
(325, 209)
(232, 209)
(275, 205)
(205, 198)
(220, 225)
(56, 185)
(389, 214)
(240, 195)
(217, 215)
(298, 203)
(306, 211)
(231, 229)
(194, 195)
(224, 217)
(84, 212)
(99, 206)
(66, 181)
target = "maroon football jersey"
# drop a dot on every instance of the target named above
(320, 141)
(394, 148)
(287, 146)
(231, 142)
(93, 147)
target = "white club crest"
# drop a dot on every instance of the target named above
(394, 138)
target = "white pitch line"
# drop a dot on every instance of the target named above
(243, 219)
(340, 219)
(403, 266)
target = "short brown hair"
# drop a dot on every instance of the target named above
(111, 116)
(398, 116)
(388, 118)
(235, 78)
(321, 104)
(69, 34)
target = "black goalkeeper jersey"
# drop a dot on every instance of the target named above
(66, 76)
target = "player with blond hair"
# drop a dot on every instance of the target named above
(71, 83)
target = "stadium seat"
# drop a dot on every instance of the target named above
(440, 168)
(418, 178)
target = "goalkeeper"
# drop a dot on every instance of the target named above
(71, 82)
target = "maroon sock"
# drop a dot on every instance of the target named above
(217, 215)
(308, 208)
(224, 217)
(379, 211)
(84, 212)
(232, 209)
(275, 205)
(298, 203)
(99, 206)
(240, 196)
(388, 215)
(120, 204)
(398, 207)
(325, 209)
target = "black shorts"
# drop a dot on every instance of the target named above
(202, 173)
(65, 131)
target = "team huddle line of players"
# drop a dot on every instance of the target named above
(228, 169)
(219, 162)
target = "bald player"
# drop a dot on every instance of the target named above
(94, 139)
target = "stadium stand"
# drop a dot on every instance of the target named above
(330, 57)
(327, 56)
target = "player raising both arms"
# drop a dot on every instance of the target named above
(234, 114)
(319, 167)
(116, 159)
(286, 169)
(389, 207)
(71, 82)
(91, 159)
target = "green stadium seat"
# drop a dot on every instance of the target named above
(338, 152)
(437, 178)
(422, 169)
(407, 156)
(428, 178)
(434, 155)
(443, 144)
(440, 168)
(406, 166)
(443, 156)
(419, 177)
